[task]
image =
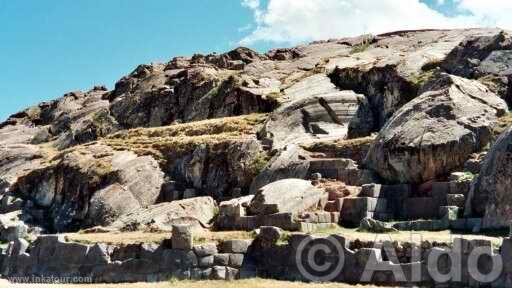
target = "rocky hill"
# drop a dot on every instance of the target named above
(231, 141)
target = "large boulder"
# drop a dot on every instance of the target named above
(197, 212)
(286, 196)
(436, 132)
(490, 195)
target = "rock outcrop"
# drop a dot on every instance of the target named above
(315, 109)
(249, 130)
(76, 118)
(436, 132)
(490, 195)
(63, 191)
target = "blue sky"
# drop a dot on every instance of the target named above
(48, 47)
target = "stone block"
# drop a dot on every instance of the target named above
(205, 250)
(439, 192)
(371, 190)
(221, 259)
(396, 195)
(182, 237)
(459, 224)
(236, 260)
(284, 221)
(218, 273)
(235, 246)
(359, 204)
(421, 208)
(232, 273)
(440, 225)
(205, 262)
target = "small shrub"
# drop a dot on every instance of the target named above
(363, 46)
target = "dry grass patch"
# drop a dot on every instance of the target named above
(503, 124)
(232, 125)
(251, 283)
(355, 149)
(127, 238)
(181, 138)
(206, 236)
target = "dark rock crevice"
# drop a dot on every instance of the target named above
(384, 87)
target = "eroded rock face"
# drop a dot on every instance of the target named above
(158, 95)
(490, 196)
(436, 132)
(76, 118)
(63, 192)
(316, 109)
(487, 58)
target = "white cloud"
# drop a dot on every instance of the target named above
(294, 21)
(492, 12)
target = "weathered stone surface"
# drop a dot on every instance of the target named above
(156, 95)
(198, 212)
(182, 237)
(317, 110)
(205, 250)
(391, 70)
(65, 189)
(436, 132)
(75, 118)
(288, 195)
(235, 246)
(287, 163)
(490, 195)
(17, 160)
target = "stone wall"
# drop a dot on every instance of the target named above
(384, 263)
